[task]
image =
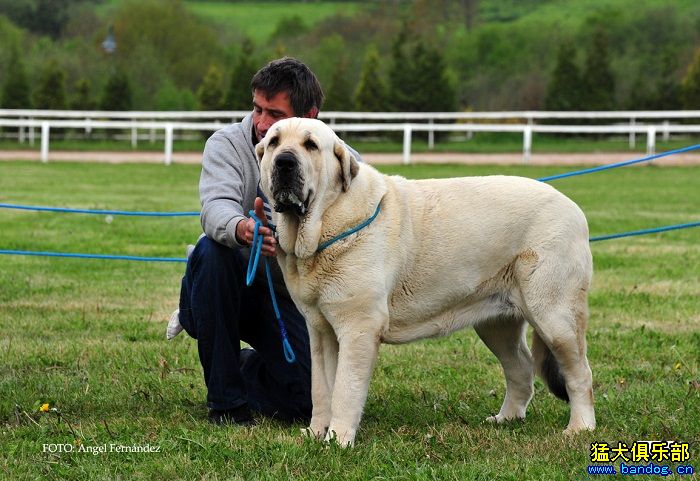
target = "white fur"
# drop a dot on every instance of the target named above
(491, 252)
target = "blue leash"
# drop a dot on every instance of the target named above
(255, 251)
(325, 245)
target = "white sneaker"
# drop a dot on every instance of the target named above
(174, 326)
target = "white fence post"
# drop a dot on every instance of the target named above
(666, 134)
(45, 141)
(31, 134)
(21, 133)
(633, 135)
(134, 136)
(431, 136)
(406, 144)
(527, 143)
(651, 140)
(168, 144)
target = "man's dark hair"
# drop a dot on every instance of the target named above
(289, 75)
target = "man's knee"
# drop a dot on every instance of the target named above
(213, 259)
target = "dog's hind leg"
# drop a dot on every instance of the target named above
(505, 337)
(558, 312)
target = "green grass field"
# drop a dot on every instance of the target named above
(87, 337)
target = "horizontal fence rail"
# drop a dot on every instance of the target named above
(523, 122)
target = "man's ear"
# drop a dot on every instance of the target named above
(348, 164)
(260, 150)
(312, 113)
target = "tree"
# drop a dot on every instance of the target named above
(117, 93)
(51, 91)
(400, 73)
(598, 80)
(339, 93)
(564, 89)
(239, 96)
(433, 88)
(668, 89)
(690, 86)
(210, 94)
(370, 94)
(82, 100)
(15, 90)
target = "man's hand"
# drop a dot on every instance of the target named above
(245, 229)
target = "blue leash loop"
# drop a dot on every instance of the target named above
(255, 252)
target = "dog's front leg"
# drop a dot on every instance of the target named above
(324, 359)
(358, 348)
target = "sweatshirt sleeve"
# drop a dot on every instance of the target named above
(221, 190)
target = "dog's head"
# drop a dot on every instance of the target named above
(303, 165)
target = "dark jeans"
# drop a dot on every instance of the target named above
(219, 310)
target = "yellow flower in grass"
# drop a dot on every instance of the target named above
(44, 408)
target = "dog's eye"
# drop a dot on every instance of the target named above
(310, 145)
(274, 142)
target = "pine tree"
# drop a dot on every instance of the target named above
(401, 74)
(690, 86)
(117, 93)
(433, 88)
(210, 94)
(51, 91)
(598, 79)
(668, 89)
(564, 89)
(15, 90)
(339, 97)
(83, 98)
(239, 95)
(370, 94)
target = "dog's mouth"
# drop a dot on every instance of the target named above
(290, 202)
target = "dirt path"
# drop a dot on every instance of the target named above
(596, 158)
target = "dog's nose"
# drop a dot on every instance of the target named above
(285, 161)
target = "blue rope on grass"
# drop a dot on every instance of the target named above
(97, 211)
(92, 256)
(645, 231)
(182, 214)
(619, 164)
(182, 259)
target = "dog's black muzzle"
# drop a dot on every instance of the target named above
(287, 185)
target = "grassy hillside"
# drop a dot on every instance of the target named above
(255, 19)
(259, 20)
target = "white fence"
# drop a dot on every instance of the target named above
(422, 122)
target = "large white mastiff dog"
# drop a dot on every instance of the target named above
(495, 253)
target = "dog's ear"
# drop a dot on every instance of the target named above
(348, 164)
(260, 150)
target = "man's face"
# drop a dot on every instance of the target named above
(268, 111)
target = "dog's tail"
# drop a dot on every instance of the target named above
(547, 367)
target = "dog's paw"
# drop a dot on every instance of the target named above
(310, 432)
(500, 418)
(344, 440)
(580, 428)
